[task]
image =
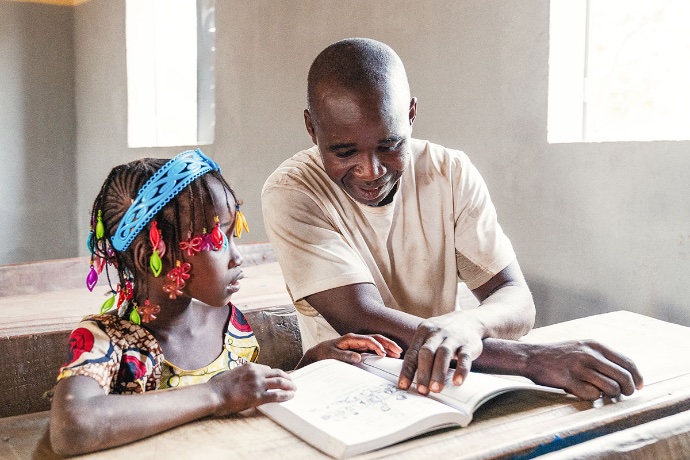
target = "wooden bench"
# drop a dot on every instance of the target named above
(41, 302)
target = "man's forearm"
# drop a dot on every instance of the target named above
(508, 313)
(503, 357)
(507, 308)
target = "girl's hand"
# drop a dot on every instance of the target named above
(348, 347)
(249, 386)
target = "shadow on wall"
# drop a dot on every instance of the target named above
(672, 312)
(558, 303)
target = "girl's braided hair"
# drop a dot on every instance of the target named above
(118, 192)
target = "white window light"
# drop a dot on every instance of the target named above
(618, 70)
(162, 74)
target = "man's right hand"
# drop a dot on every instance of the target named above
(436, 343)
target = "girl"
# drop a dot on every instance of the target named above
(168, 229)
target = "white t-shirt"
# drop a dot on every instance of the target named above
(440, 228)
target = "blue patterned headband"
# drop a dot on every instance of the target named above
(162, 187)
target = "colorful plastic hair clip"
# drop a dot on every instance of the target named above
(100, 229)
(177, 277)
(240, 222)
(92, 277)
(148, 312)
(155, 262)
(192, 244)
(109, 303)
(217, 234)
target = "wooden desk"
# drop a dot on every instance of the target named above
(518, 425)
(667, 438)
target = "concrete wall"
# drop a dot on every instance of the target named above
(37, 126)
(597, 227)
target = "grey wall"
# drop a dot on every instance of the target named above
(37, 126)
(597, 227)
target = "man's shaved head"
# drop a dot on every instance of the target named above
(360, 65)
(360, 117)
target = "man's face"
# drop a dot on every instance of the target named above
(363, 139)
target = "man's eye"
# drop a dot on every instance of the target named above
(390, 148)
(345, 154)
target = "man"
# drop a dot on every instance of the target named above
(373, 229)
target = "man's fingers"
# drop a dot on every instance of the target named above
(430, 355)
(608, 386)
(585, 390)
(409, 366)
(462, 369)
(425, 362)
(611, 378)
(444, 354)
(348, 356)
(628, 368)
(608, 370)
(465, 356)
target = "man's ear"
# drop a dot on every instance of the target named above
(412, 114)
(310, 126)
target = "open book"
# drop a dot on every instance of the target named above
(345, 410)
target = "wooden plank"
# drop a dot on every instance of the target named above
(667, 439)
(28, 369)
(44, 276)
(26, 437)
(41, 312)
(528, 428)
(65, 274)
(277, 331)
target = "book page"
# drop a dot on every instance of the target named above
(474, 391)
(355, 406)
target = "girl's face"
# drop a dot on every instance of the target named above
(215, 275)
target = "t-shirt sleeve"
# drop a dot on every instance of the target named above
(91, 353)
(121, 356)
(482, 249)
(313, 255)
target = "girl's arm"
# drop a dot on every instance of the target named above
(83, 419)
